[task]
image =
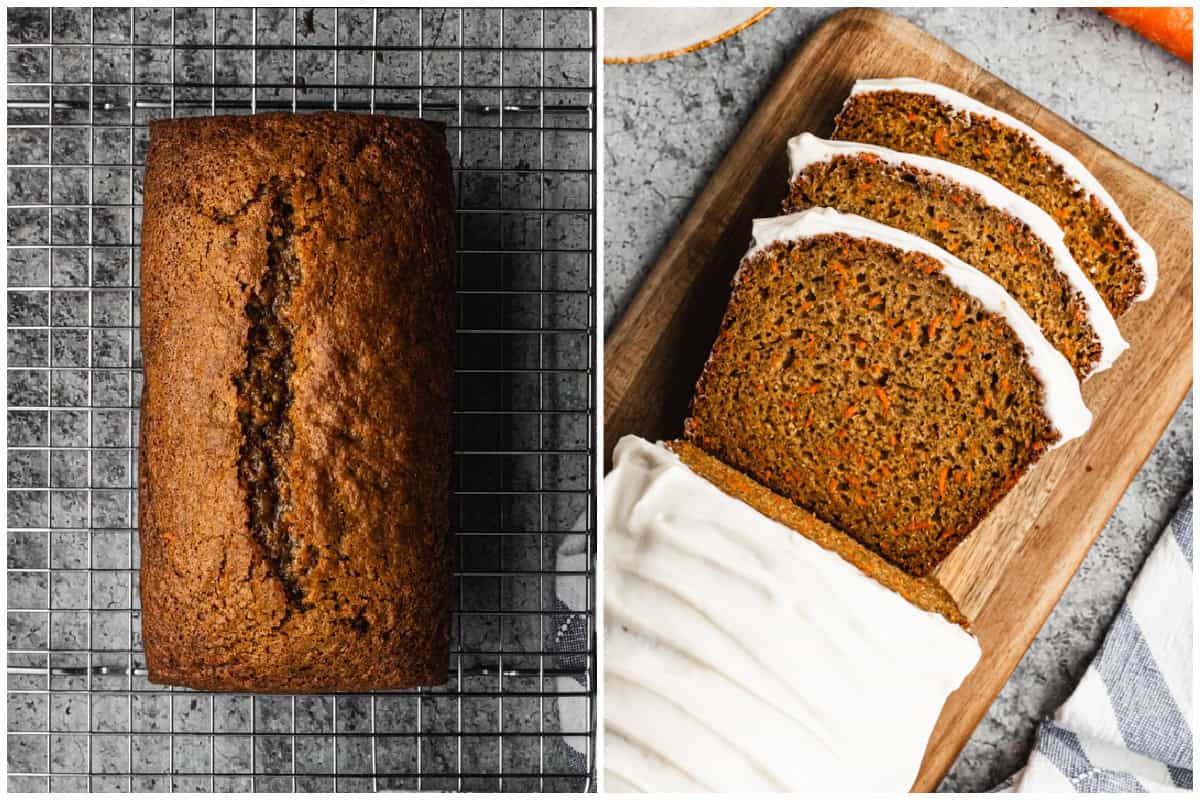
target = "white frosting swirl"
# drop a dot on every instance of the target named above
(1062, 399)
(806, 149)
(1071, 165)
(741, 656)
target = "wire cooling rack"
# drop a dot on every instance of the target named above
(516, 90)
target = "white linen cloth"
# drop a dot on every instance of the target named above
(1128, 725)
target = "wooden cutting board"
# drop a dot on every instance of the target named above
(1010, 573)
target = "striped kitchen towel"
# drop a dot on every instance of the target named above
(1128, 725)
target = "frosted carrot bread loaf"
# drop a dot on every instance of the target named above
(917, 116)
(742, 656)
(972, 216)
(880, 383)
(294, 464)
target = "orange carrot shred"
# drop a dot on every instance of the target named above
(959, 313)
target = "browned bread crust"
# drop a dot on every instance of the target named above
(295, 449)
(959, 220)
(925, 593)
(917, 123)
(855, 380)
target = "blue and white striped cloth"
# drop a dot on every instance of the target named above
(1128, 726)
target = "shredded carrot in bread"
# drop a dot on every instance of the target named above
(883, 398)
(933, 324)
(939, 140)
(959, 313)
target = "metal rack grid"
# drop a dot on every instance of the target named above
(516, 90)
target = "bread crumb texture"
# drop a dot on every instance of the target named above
(855, 380)
(961, 222)
(915, 123)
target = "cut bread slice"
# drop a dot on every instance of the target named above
(917, 116)
(880, 383)
(925, 593)
(975, 218)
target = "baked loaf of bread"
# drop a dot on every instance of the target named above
(295, 443)
(742, 656)
(972, 216)
(917, 116)
(880, 383)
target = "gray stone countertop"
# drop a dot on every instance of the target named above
(669, 123)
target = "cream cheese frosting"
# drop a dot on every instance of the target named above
(1071, 165)
(806, 149)
(1062, 399)
(741, 656)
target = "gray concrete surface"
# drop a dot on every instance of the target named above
(667, 125)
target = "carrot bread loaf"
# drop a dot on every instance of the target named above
(740, 656)
(294, 465)
(975, 218)
(879, 382)
(916, 116)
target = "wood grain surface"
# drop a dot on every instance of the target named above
(1010, 573)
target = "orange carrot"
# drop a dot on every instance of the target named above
(883, 398)
(1170, 28)
(939, 139)
(959, 313)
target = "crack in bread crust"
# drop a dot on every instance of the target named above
(265, 396)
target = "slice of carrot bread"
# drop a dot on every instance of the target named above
(916, 116)
(924, 593)
(975, 218)
(879, 382)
